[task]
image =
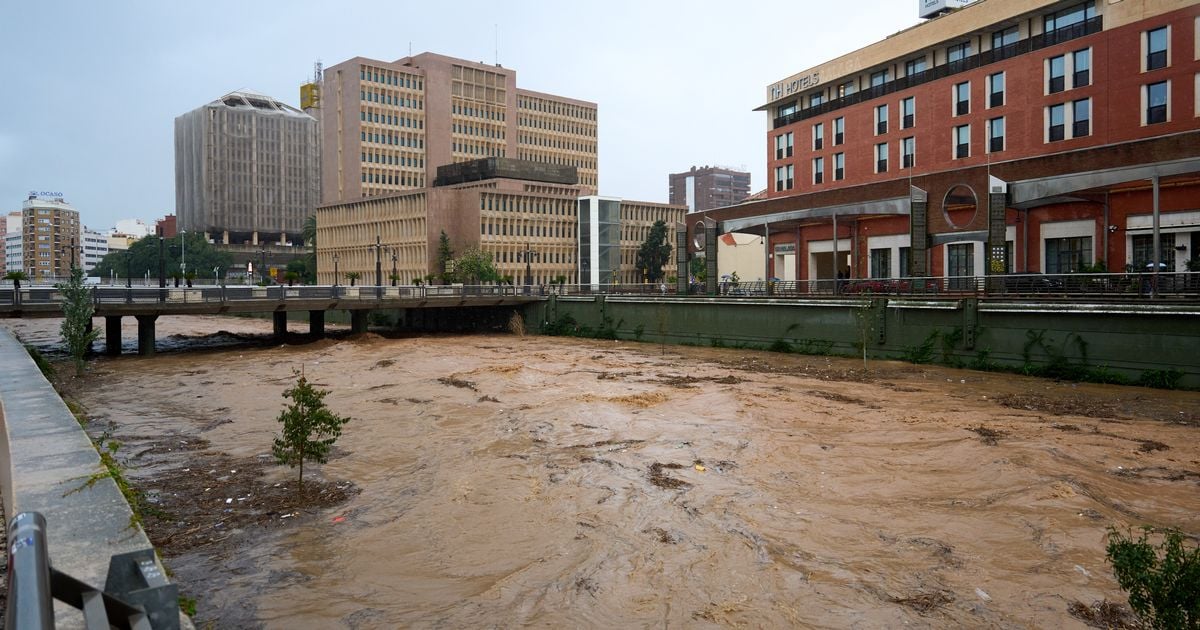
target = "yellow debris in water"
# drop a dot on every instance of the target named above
(699, 467)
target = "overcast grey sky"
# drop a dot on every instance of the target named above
(94, 87)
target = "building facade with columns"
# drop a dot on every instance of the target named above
(247, 170)
(1008, 136)
(527, 225)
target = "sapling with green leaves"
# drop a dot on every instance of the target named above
(309, 427)
(77, 315)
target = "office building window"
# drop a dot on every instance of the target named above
(1056, 74)
(996, 135)
(1082, 63)
(839, 131)
(1003, 38)
(1067, 255)
(962, 98)
(908, 112)
(958, 52)
(879, 78)
(783, 146)
(881, 119)
(818, 170)
(881, 263)
(881, 157)
(996, 89)
(818, 136)
(1156, 102)
(1069, 17)
(1055, 117)
(914, 66)
(839, 166)
(1156, 48)
(962, 141)
(1081, 124)
(908, 152)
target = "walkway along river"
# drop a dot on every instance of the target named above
(504, 480)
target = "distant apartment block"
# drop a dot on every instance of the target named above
(709, 187)
(246, 170)
(387, 125)
(50, 239)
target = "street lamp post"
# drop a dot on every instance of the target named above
(183, 252)
(378, 269)
(394, 274)
(528, 255)
(128, 272)
(335, 270)
(262, 263)
(162, 264)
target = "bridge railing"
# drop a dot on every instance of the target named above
(200, 294)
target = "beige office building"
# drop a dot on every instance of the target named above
(507, 217)
(387, 126)
(50, 238)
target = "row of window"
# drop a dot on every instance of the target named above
(552, 125)
(390, 78)
(558, 109)
(552, 142)
(524, 229)
(414, 180)
(415, 161)
(394, 139)
(388, 98)
(390, 120)
(482, 132)
(484, 113)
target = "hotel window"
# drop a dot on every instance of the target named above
(1081, 124)
(996, 135)
(1055, 120)
(846, 89)
(1156, 48)
(958, 52)
(1069, 17)
(780, 178)
(996, 90)
(879, 78)
(791, 174)
(1156, 102)
(783, 146)
(881, 263)
(839, 166)
(1056, 68)
(839, 131)
(1066, 255)
(908, 112)
(908, 152)
(818, 170)
(816, 99)
(881, 119)
(962, 98)
(881, 157)
(1082, 62)
(914, 66)
(962, 141)
(818, 136)
(786, 110)
(1003, 38)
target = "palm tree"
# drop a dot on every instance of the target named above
(291, 277)
(309, 233)
(353, 276)
(16, 277)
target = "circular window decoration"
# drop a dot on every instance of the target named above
(698, 236)
(960, 206)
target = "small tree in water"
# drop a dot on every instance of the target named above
(309, 427)
(77, 315)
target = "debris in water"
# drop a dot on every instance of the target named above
(699, 468)
(339, 519)
(983, 595)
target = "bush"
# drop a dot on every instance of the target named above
(1163, 582)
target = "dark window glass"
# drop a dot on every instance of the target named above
(908, 108)
(1156, 48)
(1156, 102)
(1066, 255)
(1083, 68)
(914, 66)
(996, 90)
(879, 78)
(1057, 76)
(1082, 122)
(962, 140)
(881, 119)
(839, 131)
(1057, 129)
(1003, 38)
(962, 99)
(996, 135)
(881, 263)
(958, 52)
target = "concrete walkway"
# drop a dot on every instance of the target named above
(45, 456)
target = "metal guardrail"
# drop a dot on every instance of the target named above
(136, 594)
(1124, 286)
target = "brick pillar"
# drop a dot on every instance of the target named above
(918, 232)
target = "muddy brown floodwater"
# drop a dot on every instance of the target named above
(503, 481)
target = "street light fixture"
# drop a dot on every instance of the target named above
(528, 255)
(335, 270)
(394, 274)
(128, 272)
(378, 269)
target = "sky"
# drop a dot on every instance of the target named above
(94, 87)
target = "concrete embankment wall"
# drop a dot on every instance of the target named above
(46, 460)
(1130, 340)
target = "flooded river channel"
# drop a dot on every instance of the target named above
(501, 481)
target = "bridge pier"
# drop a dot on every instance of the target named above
(316, 323)
(358, 321)
(146, 334)
(279, 319)
(112, 335)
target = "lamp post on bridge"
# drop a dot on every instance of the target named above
(378, 268)
(529, 255)
(394, 274)
(335, 270)
(128, 271)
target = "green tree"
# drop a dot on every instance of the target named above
(475, 266)
(698, 269)
(353, 276)
(304, 268)
(1163, 582)
(77, 317)
(308, 274)
(142, 257)
(16, 277)
(654, 253)
(445, 255)
(309, 427)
